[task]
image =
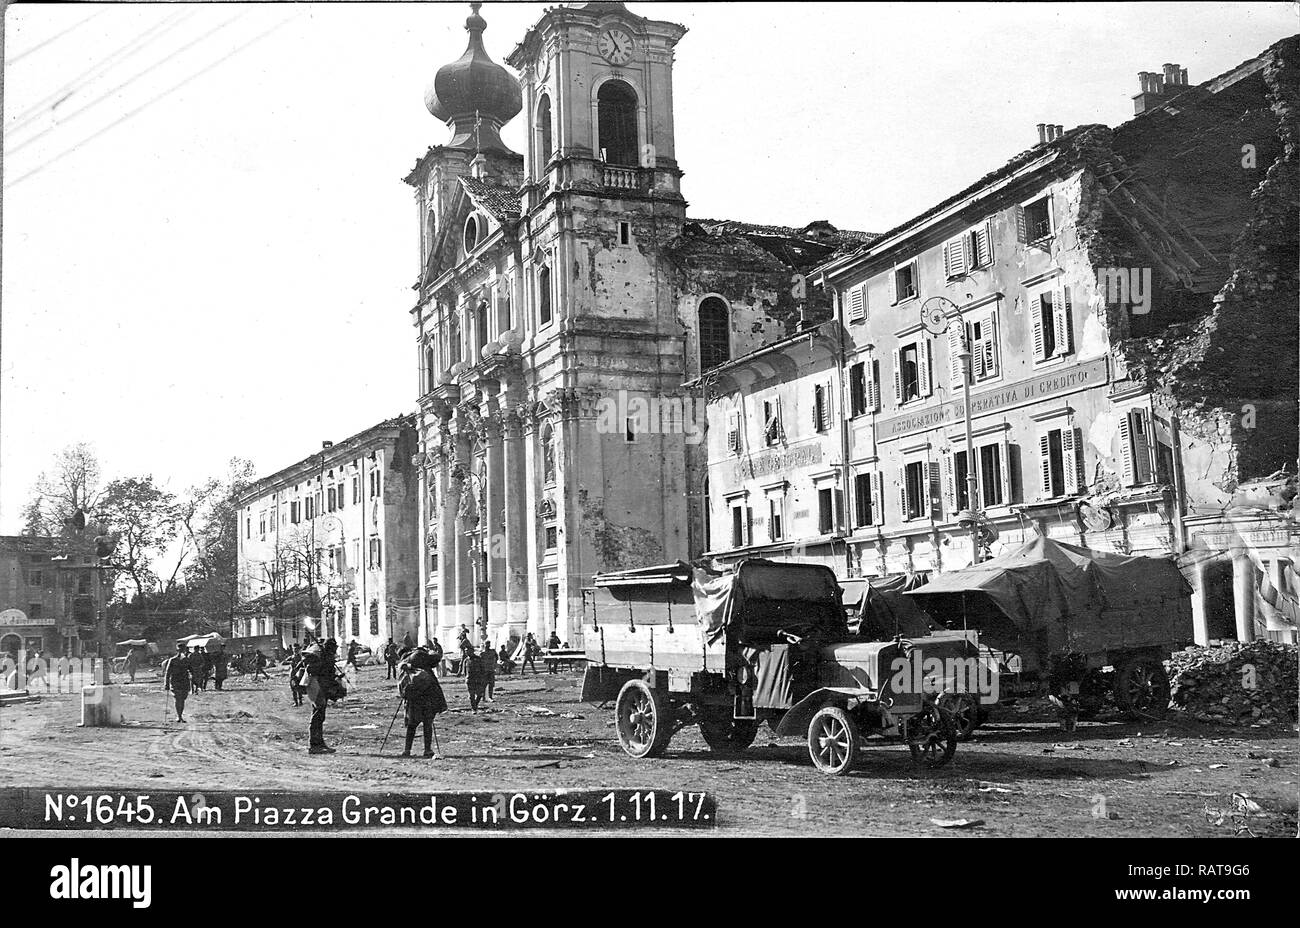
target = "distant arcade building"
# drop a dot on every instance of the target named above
(50, 588)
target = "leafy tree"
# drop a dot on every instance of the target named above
(70, 485)
(211, 522)
(144, 519)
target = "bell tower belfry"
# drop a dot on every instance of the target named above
(598, 97)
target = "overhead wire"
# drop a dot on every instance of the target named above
(37, 47)
(130, 49)
(131, 80)
(131, 113)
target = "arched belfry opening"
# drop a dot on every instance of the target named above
(545, 139)
(616, 112)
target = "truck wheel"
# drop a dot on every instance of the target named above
(965, 710)
(724, 734)
(931, 736)
(1142, 689)
(833, 740)
(643, 720)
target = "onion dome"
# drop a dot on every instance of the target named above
(474, 94)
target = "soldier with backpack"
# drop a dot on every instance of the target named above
(324, 685)
(423, 697)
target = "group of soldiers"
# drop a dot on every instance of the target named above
(189, 671)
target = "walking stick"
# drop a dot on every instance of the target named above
(391, 724)
(434, 723)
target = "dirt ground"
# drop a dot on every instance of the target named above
(1021, 775)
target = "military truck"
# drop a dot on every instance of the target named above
(1077, 625)
(726, 650)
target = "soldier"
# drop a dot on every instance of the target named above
(132, 662)
(323, 687)
(475, 680)
(531, 647)
(423, 695)
(176, 679)
(296, 688)
(220, 667)
(259, 665)
(390, 658)
(488, 660)
(552, 645)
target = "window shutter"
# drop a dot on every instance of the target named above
(990, 330)
(898, 378)
(878, 499)
(858, 303)
(984, 245)
(893, 285)
(923, 366)
(956, 332)
(1126, 450)
(1142, 465)
(1045, 451)
(1080, 467)
(1022, 234)
(1004, 457)
(977, 360)
(817, 408)
(1036, 312)
(1068, 464)
(1061, 322)
(749, 525)
(904, 509)
(776, 416)
(733, 433)
(828, 403)
(873, 386)
(954, 257)
(936, 491)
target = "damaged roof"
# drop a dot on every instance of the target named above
(801, 248)
(501, 201)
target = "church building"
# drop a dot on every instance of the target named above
(566, 310)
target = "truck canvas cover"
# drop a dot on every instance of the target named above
(767, 595)
(1064, 596)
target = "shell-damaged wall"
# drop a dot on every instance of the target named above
(1219, 349)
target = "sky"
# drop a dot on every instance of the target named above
(208, 250)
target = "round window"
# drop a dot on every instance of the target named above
(471, 234)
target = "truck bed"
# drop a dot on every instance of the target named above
(653, 647)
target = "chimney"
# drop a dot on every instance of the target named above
(1042, 133)
(326, 445)
(1060, 131)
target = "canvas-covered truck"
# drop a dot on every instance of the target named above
(1077, 625)
(677, 645)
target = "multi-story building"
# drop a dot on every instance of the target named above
(330, 545)
(563, 300)
(1125, 300)
(50, 590)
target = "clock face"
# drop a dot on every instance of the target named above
(615, 46)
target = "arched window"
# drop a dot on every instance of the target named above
(505, 322)
(546, 148)
(544, 294)
(548, 454)
(715, 333)
(616, 111)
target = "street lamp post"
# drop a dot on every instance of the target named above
(972, 488)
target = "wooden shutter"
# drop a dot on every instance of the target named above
(1022, 233)
(904, 509)
(1045, 451)
(858, 303)
(990, 349)
(898, 378)
(954, 257)
(733, 433)
(925, 385)
(1142, 447)
(936, 491)
(749, 525)
(818, 390)
(1036, 314)
(873, 385)
(1068, 465)
(776, 416)
(983, 238)
(1079, 464)
(893, 285)
(878, 499)
(956, 332)
(1128, 470)
(977, 359)
(1061, 322)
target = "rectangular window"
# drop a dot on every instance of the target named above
(331, 500)
(742, 519)
(858, 389)
(338, 493)
(981, 335)
(375, 483)
(960, 481)
(35, 578)
(356, 489)
(376, 553)
(912, 371)
(862, 500)
(990, 458)
(34, 611)
(1061, 461)
(552, 537)
(433, 562)
(913, 490)
(374, 617)
(775, 511)
(261, 523)
(857, 304)
(772, 431)
(733, 433)
(828, 510)
(629, 429)
(1034, 221)
(1136, 445)
(821, 408)
(248, 528)
(625, 233)
(905, 283)
(356, 620)
(1050, 317)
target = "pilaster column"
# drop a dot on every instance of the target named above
(1200, 604)
(516, 503)
(1243, 593)
(449, 496)
(463, 611)
(494, 535)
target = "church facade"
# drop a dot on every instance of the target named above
(566, 310)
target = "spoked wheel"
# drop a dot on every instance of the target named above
(724, 734)
(931, 736)
(1142, 689)
(643, 720)
(965, 711)
(833, 740)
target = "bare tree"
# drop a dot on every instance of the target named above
(71, 485)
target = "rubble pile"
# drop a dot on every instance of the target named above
(1236, 683)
